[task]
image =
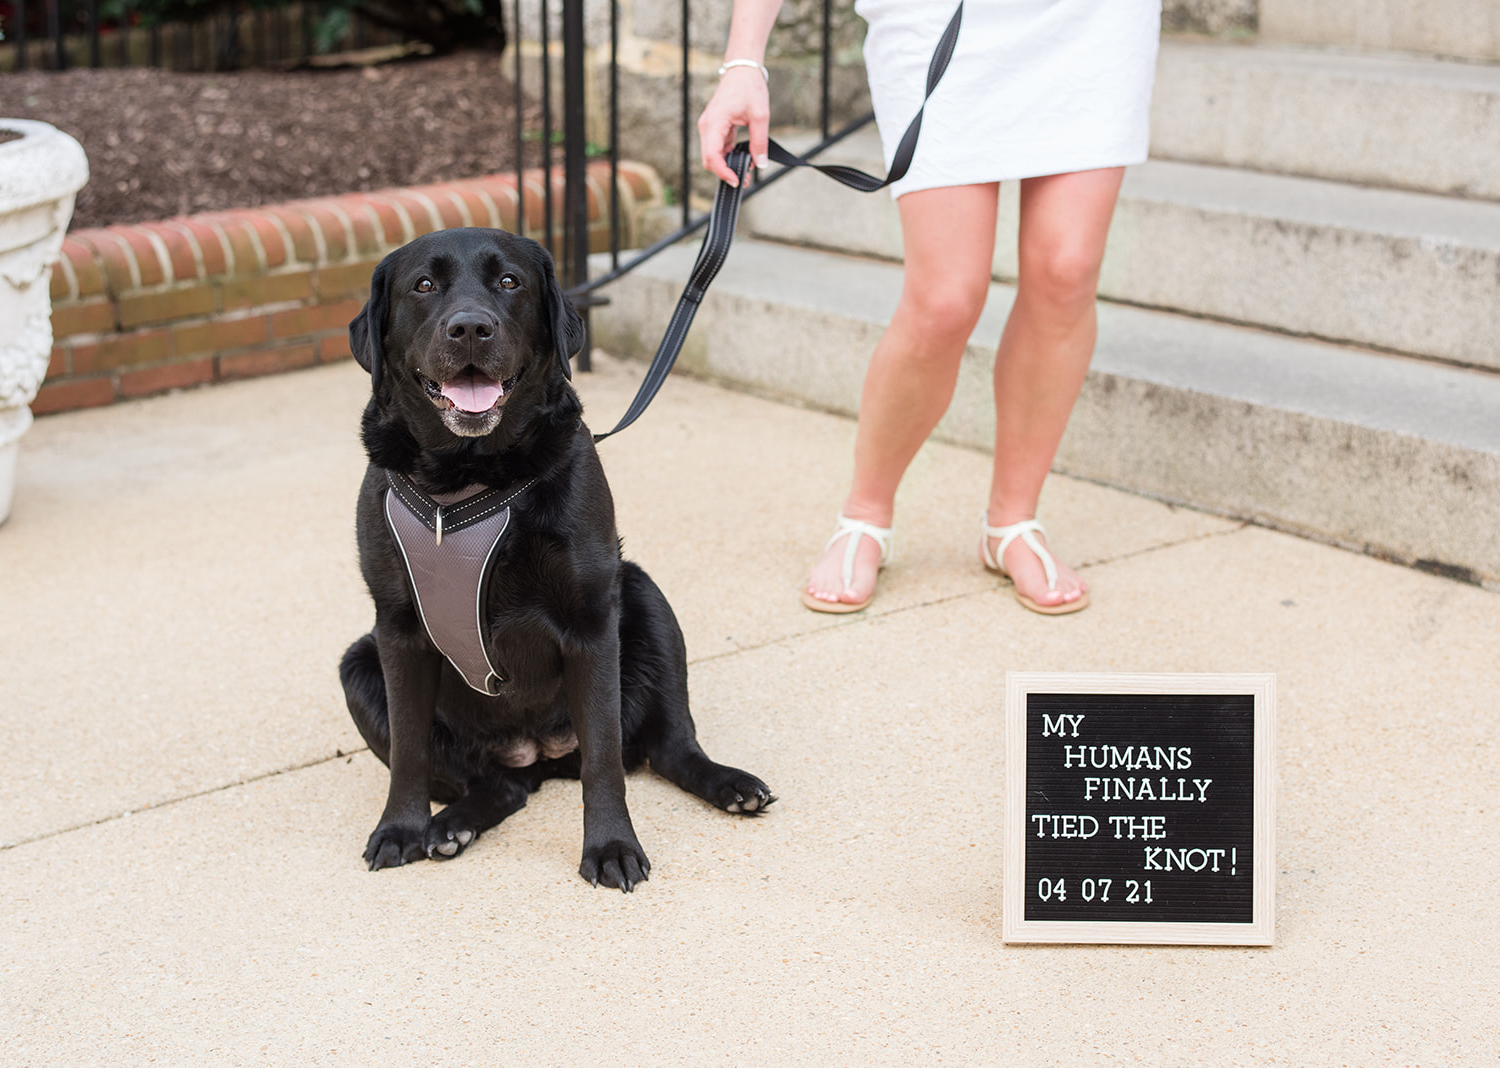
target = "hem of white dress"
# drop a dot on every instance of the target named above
(919, 182)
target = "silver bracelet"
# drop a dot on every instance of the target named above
(728, 63)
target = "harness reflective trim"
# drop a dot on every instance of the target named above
(448, 543)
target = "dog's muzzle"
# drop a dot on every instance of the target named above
(471, 391)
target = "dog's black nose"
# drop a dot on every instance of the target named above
(471, 326)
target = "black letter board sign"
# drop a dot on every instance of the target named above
(1139, 808)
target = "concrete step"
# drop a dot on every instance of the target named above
(1408, 272)
(1380, 453)
(1461, 29)
(1403, 122)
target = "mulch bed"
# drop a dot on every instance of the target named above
(162, 143)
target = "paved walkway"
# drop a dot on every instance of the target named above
(185, 798)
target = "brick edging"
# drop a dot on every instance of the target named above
(141, 308)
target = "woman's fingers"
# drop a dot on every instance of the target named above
(714, 148)
(759, 136)
(740, 100)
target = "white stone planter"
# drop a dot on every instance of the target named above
(40, 173)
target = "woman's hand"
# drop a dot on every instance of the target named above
(740, 100)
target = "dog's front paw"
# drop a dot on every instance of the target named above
(619, 864)
(741, 793)
(394, 844)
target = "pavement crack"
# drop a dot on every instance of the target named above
(337, 755)
(853, 619)
(1147, 550)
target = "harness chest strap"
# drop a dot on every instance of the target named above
(447, 543)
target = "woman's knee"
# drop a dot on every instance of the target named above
(945, 306)
(1064, 224)
(1061, 274)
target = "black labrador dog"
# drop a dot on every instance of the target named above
(512, 643)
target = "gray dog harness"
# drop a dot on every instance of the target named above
(447, 542)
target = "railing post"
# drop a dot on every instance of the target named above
(55, 31)
(685, 174)
(550, 240)
(614, 133)
(20, 31)
(91, 12)
(823, 103)
(575, 138)
(520, 129)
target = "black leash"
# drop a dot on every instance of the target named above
(726, 211)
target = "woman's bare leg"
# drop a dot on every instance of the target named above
(1044, 354)
(949, 237)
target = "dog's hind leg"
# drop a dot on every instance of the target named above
(364, 693)
(654, 704)
(671, 746)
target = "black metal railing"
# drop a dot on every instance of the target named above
(75, 33)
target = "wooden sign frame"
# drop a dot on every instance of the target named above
(1179, 691)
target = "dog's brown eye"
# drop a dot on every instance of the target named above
(424, 285)
(509, 281)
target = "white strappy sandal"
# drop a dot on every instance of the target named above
(1024, 531)
(854, 529)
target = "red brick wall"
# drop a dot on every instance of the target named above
(207, 298)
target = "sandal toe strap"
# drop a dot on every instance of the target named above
(1027, 531)
(856, 529)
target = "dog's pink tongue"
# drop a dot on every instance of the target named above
(472, 393)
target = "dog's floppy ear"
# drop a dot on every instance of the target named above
(568, 330)
(367, 329)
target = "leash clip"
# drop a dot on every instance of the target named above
(440, 524)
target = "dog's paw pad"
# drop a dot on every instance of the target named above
(745, 795)
(754, 803)
(445, 842)
(448, 848)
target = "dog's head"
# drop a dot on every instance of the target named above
(457, 322)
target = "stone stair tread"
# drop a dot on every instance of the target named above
(1417, 398)
(1390, 121)
(1405, 272)
(1314, 201)
(1318, 202)
(1460, 29)
(1383, 67)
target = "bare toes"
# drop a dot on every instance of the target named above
(825, 583)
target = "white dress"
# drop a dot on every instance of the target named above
(1034, 87)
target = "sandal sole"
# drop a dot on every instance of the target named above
(1064, 609)
(836, 608)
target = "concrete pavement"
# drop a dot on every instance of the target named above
(185, 798)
